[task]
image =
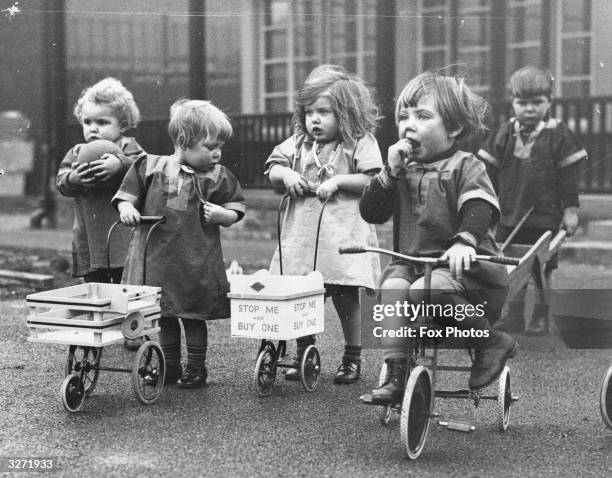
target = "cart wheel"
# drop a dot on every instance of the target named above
(504, 398)
(73, 393)
(385, 411)
(265, 370)
(416, 411)
(605, 399)
(148, 372)
(310, 368)
(86, 359)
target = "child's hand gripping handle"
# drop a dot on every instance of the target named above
(151, 219)
(509, 261)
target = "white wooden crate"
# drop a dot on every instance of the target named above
(96, 296)
(266, 306)
(92, 314)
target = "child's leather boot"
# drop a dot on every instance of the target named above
(193, 378)
(392, 391)
(490, 358)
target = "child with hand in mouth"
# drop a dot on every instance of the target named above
(446, 207)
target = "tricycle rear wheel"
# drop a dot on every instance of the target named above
(504, 398)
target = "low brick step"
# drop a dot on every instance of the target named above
(37, 281)
(599, 230)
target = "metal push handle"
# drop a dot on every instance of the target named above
(155, 220)
(278, 230)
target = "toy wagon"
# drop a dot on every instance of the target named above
(279, 307)
(88, 317)
(272, 307)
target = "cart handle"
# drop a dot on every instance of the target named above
(436, 261)
(155, 220)
(308, 192)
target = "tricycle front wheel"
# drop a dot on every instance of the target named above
(416, 411)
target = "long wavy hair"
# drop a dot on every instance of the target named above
(349, 97)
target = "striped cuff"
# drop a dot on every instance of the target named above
(386, 180)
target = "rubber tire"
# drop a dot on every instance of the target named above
(605, 398)
(265, 370)
(149, 360)
(90, 379)
(416, 411)
(504, 398)
(73, 393)
(385, 412)
(310, 368)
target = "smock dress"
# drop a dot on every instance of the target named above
(184, 256)
(341, 223)
(94, 215)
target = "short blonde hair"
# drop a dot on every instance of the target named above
(460, 108)
(112, 93)
(194, 120)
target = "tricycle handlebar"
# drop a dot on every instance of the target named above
(511, 261)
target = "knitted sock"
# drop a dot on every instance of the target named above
(196, 338)
(170, 342)
(303, 343)
(352, 353)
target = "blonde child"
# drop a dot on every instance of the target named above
(533, 162)
(333, 154)
(105, 111)
(196, 194)
(446, 207)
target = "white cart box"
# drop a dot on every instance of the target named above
(93, 314)
(266, 306)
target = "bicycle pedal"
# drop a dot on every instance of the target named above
(457, 426)
(368, 399)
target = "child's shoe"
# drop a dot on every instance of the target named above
(490, 359)
(348, 372)
(193, 378)
(392, 391)
(173, 373)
